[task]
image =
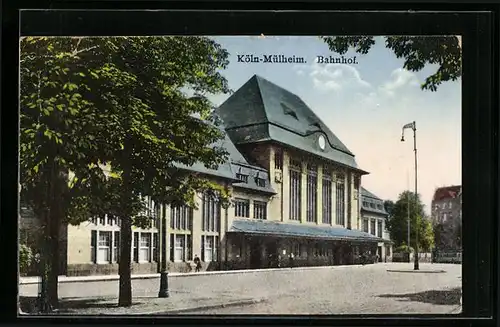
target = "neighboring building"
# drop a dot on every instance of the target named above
(447, 215)
(373, 221)
(295, 189)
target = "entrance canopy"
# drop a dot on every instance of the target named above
(272, 228)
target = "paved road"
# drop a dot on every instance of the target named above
(369, 289)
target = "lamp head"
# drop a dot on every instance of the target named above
(402, 138)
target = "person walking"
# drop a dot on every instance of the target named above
(197, 263)
(291, 259)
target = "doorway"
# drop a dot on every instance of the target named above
(379, 252)
(255, 253)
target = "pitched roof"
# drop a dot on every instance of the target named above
(235, 164)
(263, 111)
(266, 227)
(447, 192)
(366, 193)
(370, 198)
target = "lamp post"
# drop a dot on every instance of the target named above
(163, 273)
(413, 126)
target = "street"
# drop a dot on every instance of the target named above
(370, 289)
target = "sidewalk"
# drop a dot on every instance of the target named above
(177, 303)
(81, 279)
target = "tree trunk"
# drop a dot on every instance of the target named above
(59, 188)
(124, 268)
(53, 246)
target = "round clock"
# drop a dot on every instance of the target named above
(321, 142)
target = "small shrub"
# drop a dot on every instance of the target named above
(25, 257)
(403, 249)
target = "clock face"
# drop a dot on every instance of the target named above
(321, 142)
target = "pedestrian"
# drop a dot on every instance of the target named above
(197, 262)
(290, 259)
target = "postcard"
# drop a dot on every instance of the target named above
(240, 175)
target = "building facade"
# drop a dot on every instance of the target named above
(296, 192)
(373, 217)
(447, 217)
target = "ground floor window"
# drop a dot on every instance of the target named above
(210, 245)
(104, 247)
(180, 247)
(145, 250)
(320, 250)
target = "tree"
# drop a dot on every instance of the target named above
(119, 103)
(417, 52)
(397, 224)
(426, 235)
(389, 207)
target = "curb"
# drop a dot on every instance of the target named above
(418, 271)
(205, 307)
(88, 279)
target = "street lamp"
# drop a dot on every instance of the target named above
(163, 273)
(413, 126)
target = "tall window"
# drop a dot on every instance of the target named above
(181, 218)
(327, 197)
(379, 228)
(278, 159)
(179, 248)
(295, 189)
(259, 210)
(104, 247)
(145, 247)
(312, 193)
(372, 227)
(242, 208)
(210, 213)
(340, 201)
(210, 245)
(365, 225)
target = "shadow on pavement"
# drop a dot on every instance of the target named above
(29, 305)
(438, 297)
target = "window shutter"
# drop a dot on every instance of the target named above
(202, 248)
(93, 245)
(136, 247)
(117, 245)
(172, 247)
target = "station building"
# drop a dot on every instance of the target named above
(296, 189)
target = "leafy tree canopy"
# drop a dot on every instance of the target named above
(120, 103)
(416, 51)
(410, 206)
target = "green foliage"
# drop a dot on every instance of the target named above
(25, 257)
(397, 223)
(426, 235)
(104, 121)
(389, 207)
(403, 249)
(117, 101)
(416, 51)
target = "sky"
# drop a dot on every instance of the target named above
(365, 105)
